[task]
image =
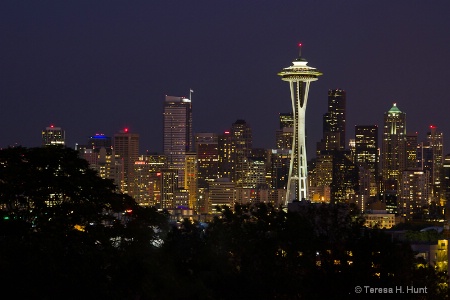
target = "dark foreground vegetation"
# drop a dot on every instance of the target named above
(67, 234)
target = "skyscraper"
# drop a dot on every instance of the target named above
(147, 179)
(411, 151)
(436, 140)
(393, 151)
(344, 184)
(430, 157)
(101, 157)
(225, 150)
(334, 121)
(177, 133)
(299, 76)
(366, 152)
(207, 149)
(126, 146)
(242, 140)
(413, 193)
(53, 136)
(286, 131)
(324, 186)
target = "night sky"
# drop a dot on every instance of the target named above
(99, 66)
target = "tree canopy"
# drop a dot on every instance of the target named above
(65, 233)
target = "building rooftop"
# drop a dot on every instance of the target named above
(394, 109)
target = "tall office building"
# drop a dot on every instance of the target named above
(411, 151)
(207, 149)
(225, 150)
(242, 140)
(413, 193)
(324, 186)
(221, 192)
(393, 148)
(177, 133)
(278, 164)
(445, 181)
(254, 172)
(435, 139)
(366, 152)
(299, 75)
(169, 183)
(53, 136)
(101, 157)
(285, 133)
(344, 185)
(126, 147)
(191, 179)
(98, 141)
(147, 179)
(334, 122)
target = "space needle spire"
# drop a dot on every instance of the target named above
(299, 76)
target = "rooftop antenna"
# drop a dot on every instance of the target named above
(299, 49)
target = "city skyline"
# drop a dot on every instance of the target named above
(100, 67)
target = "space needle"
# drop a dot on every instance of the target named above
(299, 76)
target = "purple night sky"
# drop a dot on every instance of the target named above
(98, 66)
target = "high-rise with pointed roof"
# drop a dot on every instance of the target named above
(393, 146)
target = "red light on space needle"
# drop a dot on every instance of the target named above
(432, 126)
(299, 44)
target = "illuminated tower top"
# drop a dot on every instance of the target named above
(299, 71)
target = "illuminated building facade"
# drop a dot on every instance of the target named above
(221, 192)
(413, 193)
(344, 185)
(241, 139)
(207, 149)
(126, 147)
(445, 182)
(99, 140)
(435, 139)
(286, 131)
(393, 148)
(52, 136)
(321, 177)
(177, 133)
(334, 122)
(169, 187)
(254, 172)
(147, 179)
(299, 76)
(190, 178)
(101, 157)
(278, 162)
(366, 152)
(226, 166)
(411, 151)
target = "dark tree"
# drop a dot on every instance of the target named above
(66, 233)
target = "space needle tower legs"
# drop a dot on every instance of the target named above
(299, 76)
